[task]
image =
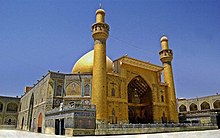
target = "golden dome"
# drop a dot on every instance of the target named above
(85, 64)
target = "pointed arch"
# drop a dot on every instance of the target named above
(182, 108)
(12, 107)
(193, 107)
(30, 111)
(205, 106)
(216, 104)
(139, 101)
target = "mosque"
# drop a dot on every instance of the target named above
(126, 90)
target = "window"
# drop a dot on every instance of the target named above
(12, 107)
(9, 121)
(113, 112)
(59, 90)
(162, 98)
(113, 92)
(87, 90)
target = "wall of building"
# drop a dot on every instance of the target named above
(48, 93)
(116, 99)
(212, 101)
(9, 107)
(38, 95)
(200, 109)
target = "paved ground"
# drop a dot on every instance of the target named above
(187, 134)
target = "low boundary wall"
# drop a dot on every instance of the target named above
(151, 128)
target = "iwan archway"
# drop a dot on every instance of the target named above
(139, 102)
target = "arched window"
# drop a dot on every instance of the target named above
(193, 107)
(59, 90)
(216, 104)
(87, 90)
(205, 106)
(12, 107)
(1, 106)
(162, 98)
(113, 112)
(113, 92)
(182, 108)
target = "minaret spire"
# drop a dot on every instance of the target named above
(100, 5)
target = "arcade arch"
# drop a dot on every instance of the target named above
(205, 106)
(193, 107)
(182, 108)
(216, 104)
(12, 107)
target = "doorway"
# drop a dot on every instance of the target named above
(39, 124)
(59, 127)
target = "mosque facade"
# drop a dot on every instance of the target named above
(126, 90)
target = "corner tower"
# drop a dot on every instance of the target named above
(166, 57)
(100, 34)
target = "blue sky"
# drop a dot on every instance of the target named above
(41, 35)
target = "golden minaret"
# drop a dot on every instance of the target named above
(166, 57)
(100, 34)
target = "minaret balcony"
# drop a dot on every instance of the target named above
(100, 31)
(166, 55)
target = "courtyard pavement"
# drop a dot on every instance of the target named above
(186, 134)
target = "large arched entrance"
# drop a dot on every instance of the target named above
(139, 101)
(39, 124)
(30, 112)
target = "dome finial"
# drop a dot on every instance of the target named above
(100, 5)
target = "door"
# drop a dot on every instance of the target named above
(57, 126)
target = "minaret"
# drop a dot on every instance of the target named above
(166, 56)
(99, 97)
